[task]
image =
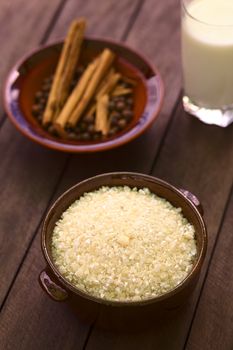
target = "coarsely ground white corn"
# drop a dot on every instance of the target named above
(119, 243)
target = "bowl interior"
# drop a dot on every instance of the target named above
(34, 79)
(156, 186)
(27, 79)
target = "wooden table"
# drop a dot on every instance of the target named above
(178, 149)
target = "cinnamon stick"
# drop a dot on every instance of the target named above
(105, 62)
(109, 85)
(129, 81)
(92, 109)
(76, 95)
(101, 120)
(64, 71)
(105, 79)
(106, 88)
(121, 91)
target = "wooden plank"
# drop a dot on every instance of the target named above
(139, 155)
(213, 324)
(18, 33)
(30, 320)
(207, 182)
(164, 52)
(101, 20)
(45, 327)
(194, 156)
(28, 175)
(41, 167)
(83, 166)
(158, 28)
(124, 158)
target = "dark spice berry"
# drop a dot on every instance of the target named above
(82, 126)
(78, 136)
(120, 113)
(91, 128)
(113, 130)
(120, 105)
(38, 95)
(128, 114)
(114, 119)
(36, 110)
(111, 105)
(69, 128)
(85, 136)
(122, 123)
(96, 136)
(72, 136)
(51, 130)
(116, 99)
(46, 87)
(42, 101)
(48, 80)
(40, 118)
(77, 129)
(129, 101)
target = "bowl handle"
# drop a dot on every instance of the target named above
(193, 199)
(55, 291)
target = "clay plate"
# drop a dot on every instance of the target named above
(26, 77)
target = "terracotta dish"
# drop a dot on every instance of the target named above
(26, 77)
(111, 312)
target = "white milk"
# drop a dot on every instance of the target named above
(207, 52)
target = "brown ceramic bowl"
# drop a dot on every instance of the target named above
(25, 79)
(111, 312)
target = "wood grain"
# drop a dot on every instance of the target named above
(18, 20)
(35, 175)
(164, 52)
(183, 151)
(194, 156)
(29, 173)
(131, 157)
(30, 320)
(106, 18)
(213, 324)
(157, 35)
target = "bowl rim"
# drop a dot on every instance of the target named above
(97, 147)
(137, 176)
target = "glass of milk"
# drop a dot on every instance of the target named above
(207, 57)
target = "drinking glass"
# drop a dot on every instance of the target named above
(207, 60)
